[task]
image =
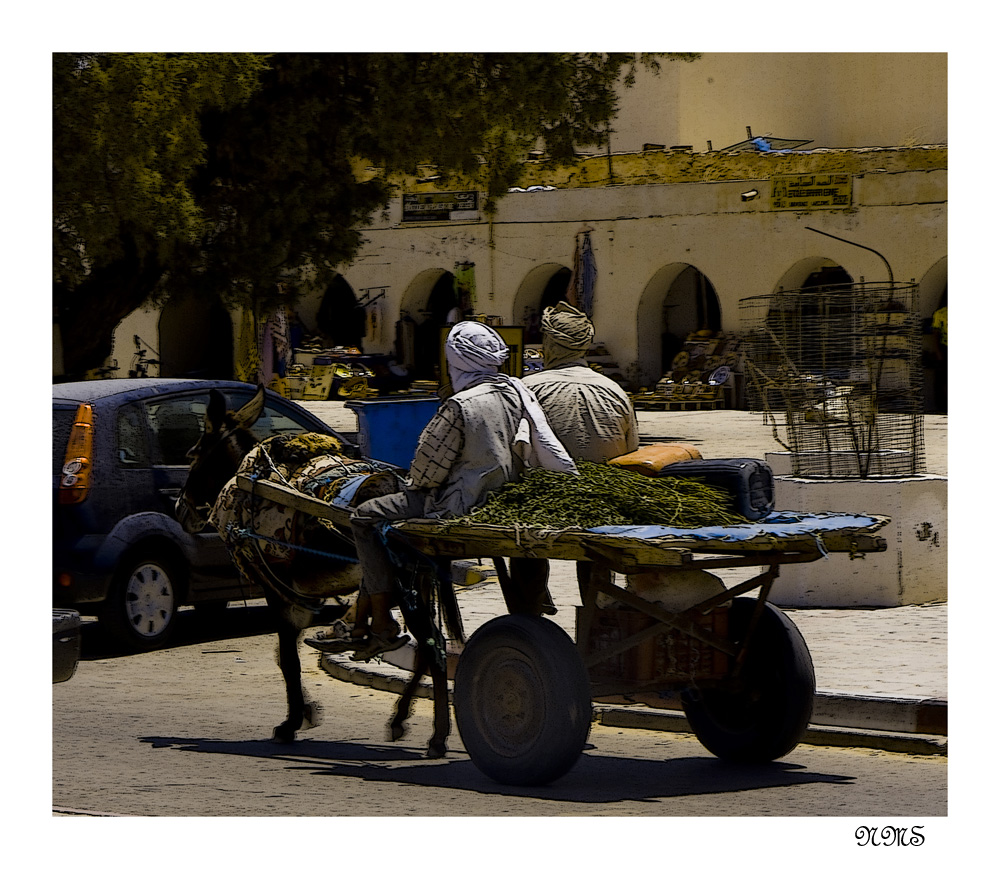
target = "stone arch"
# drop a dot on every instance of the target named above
(427, 304)
(677, 300)
(543, 286)
(934, 295)
(813, 272)
(340, 318)
(934, 288)
(195, 338)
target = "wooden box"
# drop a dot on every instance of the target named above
(670, 656)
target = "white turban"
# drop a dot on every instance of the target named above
(474, 353)
(567, 333)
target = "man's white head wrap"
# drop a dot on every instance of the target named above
(566, 334)
(474, 353)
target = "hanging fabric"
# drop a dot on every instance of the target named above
(406, 342)
(247, 358)
(265, 373)
(465, 286)
(582, 280)
(282, 340)
(572, 295)
(588, 277)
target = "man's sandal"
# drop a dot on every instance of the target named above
(336, 644)
(379, 644)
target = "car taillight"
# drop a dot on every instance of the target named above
(75, 484)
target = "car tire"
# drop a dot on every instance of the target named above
(140, 611)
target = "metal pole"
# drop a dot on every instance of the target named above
(892, 281)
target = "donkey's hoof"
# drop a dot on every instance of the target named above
(435, 751)
(283, 734)
(396, 732)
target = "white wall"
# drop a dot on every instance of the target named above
(744, 248)
(838, 100)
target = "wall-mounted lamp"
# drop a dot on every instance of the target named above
(750, 194)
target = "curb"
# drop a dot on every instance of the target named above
(885, 724)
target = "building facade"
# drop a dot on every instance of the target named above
(835, 172)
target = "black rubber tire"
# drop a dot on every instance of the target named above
(764, 716)
(141, 608)
(522, 700)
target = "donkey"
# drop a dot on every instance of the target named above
(215, 458)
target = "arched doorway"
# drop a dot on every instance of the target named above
(807, 325)
(542, 287)
(933, 297)
(813, 272)
(196, 339)
(678, 300)
(429, 303)
(340, 319)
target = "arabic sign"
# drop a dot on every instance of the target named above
(440, 206)
(801, 192)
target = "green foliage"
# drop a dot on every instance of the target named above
(126, 144)
(603, 494)
(234, 174)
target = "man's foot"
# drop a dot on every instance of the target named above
(325, 643)
(379, 644)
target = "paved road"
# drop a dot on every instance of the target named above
(185, 732)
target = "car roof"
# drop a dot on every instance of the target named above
(119, 390)
(130, 388)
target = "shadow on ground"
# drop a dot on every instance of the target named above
(193, 627)
(594, 778)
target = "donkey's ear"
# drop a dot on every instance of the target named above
(247, 415)
(215, 415)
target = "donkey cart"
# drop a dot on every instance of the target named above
(523, 688)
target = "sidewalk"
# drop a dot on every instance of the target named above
(881, 674)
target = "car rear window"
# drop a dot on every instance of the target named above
(178, 421)
(274, 422)
(62, 422)
(177, 424)
(132, 444)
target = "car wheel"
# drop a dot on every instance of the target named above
(141, 609)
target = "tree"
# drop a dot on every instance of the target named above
(237, 174)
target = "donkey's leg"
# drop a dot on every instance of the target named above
(449, 605)
(438, 745)
(405, 702)
(291, 670)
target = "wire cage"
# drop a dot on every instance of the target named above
(842, 364)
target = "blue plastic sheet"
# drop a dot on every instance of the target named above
(777, 524)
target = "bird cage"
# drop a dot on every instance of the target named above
(842, 364)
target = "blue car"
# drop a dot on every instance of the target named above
(119, 459)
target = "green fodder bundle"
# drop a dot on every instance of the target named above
(604, 495)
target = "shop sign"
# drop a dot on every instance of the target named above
(419, 207)
(807, 192)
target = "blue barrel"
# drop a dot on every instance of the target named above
(388, 428)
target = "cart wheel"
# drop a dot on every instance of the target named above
(764, 715)
(522, 700)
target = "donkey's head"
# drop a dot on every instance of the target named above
(214, 459)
